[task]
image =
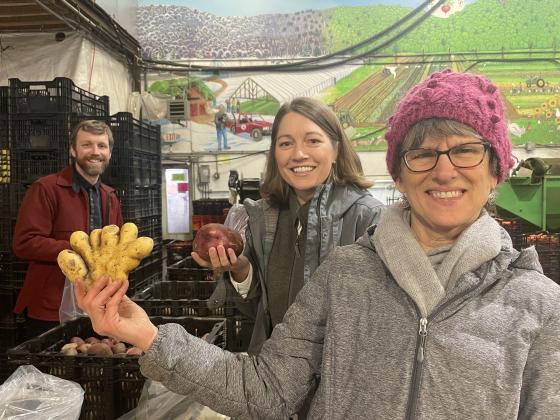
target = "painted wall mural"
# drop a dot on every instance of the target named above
(359, 57)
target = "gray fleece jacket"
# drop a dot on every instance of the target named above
(488, 350)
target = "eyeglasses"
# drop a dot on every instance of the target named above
(466, 155)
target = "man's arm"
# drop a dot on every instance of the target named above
(32, 240)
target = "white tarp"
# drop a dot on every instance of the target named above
(39, 57)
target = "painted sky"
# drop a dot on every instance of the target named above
(259, 7)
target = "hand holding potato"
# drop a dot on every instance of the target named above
(104, 251)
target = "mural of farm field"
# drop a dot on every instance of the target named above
(375, 68)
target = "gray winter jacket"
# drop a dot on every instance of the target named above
(490, 349)
(338, 215)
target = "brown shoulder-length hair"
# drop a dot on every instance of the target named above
(346, 170)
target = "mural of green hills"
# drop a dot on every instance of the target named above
(485, 25)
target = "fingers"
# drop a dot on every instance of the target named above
(112, 305)
(80, 292)
(200, 261)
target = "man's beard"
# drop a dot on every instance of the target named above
(90, 169)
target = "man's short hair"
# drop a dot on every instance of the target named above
(92, 127)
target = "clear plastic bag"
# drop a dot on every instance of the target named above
(69, 309)
(237, 219)
(158, 403)
(31, 394)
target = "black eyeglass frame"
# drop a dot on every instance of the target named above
(445, 152)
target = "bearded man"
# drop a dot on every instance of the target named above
(55, 206)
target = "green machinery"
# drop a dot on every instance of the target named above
(532, 193)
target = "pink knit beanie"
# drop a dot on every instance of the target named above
(463, 97)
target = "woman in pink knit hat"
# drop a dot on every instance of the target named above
(432, 314)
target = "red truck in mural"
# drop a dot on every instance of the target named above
(254, 124)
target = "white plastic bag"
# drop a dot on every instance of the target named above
(69, 309)
(158, 403)
(29, 394)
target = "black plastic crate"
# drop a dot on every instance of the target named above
(11, 196)
(136, 135)
(133, 169)
(149, 226)
(112, 385)
(184, 307)
(5, 166)
(188, 270)
(4, 132)
(4, 94)
(7, 225)
(29, 165)
(60, 95)
(210, 206)
(137, 202)
(177, 251)
(40, 132)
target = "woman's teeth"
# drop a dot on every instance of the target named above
(302, 169)
(446, 194)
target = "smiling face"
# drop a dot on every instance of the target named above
(92, 154)
(304, 154)
(445, 200)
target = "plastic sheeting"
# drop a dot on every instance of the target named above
(39, 57)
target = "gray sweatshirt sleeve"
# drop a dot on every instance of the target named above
(540, 392)
(272, 385)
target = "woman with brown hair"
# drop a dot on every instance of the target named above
(314, 194)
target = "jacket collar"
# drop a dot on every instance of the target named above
(66, 179)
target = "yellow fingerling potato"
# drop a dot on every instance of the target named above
(72, 265)
(104, 251)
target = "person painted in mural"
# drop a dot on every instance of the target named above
(221, 129)
(431, 314)
(315, 194)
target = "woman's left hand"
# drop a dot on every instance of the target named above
(113, 314)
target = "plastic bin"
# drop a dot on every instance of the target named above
(40, 132)
(60, 95)
(188, 270)
(138, 202)
(29, 165)
(112, 385)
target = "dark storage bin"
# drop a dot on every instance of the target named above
(29, 165)
(7, 225)
(11, 196)
(138, 202)
(133, 169)
(188, 270)
(112, 385)
(40, 132)
(137, 135)
(4, 93)
(4, 133)
(184, 307)
(57, 96)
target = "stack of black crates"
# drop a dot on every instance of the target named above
(36, 119)
(135, 173)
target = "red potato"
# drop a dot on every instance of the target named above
(214, 234)
(100, 349)
(77, 340)
(118, 348)
(92, 340)
(83, 348)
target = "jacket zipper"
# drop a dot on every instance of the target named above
(319, 223)
(420, 353)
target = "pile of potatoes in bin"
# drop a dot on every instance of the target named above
(98, 346)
